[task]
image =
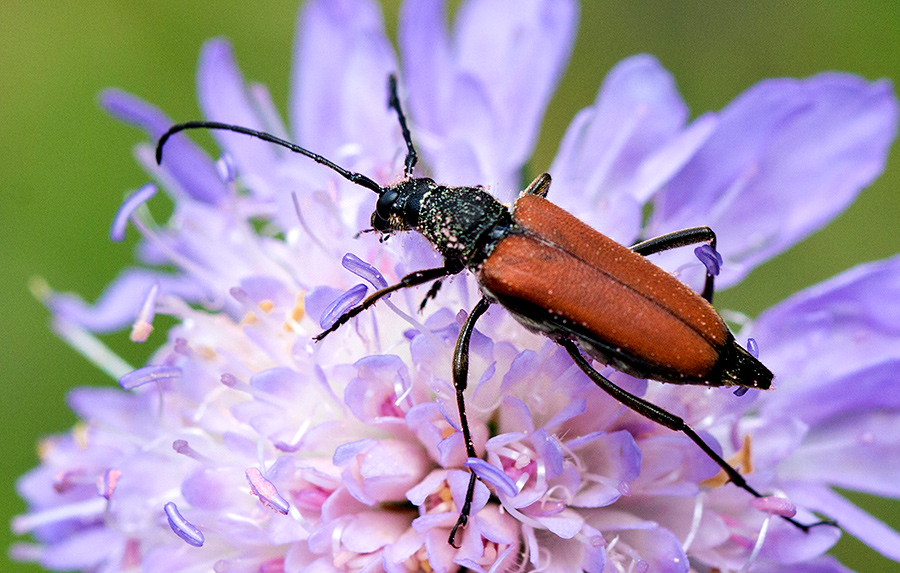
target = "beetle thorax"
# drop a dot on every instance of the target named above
(461, 222)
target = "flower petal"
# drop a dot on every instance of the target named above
(224, 97)
(846, 323)
(787, 157)
(190, 166)
(488, 55)
(122, 300)
(860, 452)
(342, 60)
(871, 531)
(638, 110)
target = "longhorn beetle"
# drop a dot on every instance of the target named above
(557, 276)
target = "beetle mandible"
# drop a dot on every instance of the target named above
(553, 272)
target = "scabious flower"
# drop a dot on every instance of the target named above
(244, 446)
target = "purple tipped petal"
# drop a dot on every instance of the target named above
(149, 374)
(182, 527)
(128, 206)
(364, 270)
(190, 166)
(342, 304)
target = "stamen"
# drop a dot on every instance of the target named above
(757, 547)
(753, 347)
(184, 448)
(149, 374)
(128, 206)
(710, 258)
(266, 492)
(303, 224)
(492, 475)
(143, 326)
(106, 484)
(84, 511)
(364, 270)
(239, 294)
(342, 304)
(695, 522)
(66, 480)
(545, 508)
(182, 527)
(92, 348)
(774, 505)
(226, 169)
(229, 380)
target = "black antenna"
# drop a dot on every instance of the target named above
(394, 102)
(357, 178)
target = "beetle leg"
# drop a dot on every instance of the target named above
(412, 279)
(432, 292)
(677, 239)
(660, 416)
(394, 102)
(460, 381)
(540, 186)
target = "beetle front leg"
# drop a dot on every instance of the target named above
(432, 292)
(660, 416)
(682, 238)
(460, 381)
(410, 280)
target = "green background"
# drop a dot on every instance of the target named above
(64, 165)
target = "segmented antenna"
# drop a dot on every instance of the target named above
(394, 102)
(357, 178)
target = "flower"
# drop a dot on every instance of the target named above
(242, 445)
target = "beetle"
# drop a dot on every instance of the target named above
(559, 277)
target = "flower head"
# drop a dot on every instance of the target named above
(244, 445)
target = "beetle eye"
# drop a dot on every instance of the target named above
(379, 223)
(386, 203)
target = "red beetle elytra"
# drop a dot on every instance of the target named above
(559, 277)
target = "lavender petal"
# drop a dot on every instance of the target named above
(190, 166)
(224, 97)
(787, 157)
(343, 50)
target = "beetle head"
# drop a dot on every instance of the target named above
(399, 204)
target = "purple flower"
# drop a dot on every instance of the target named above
(244, 446)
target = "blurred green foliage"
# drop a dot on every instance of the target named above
(64, 165)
